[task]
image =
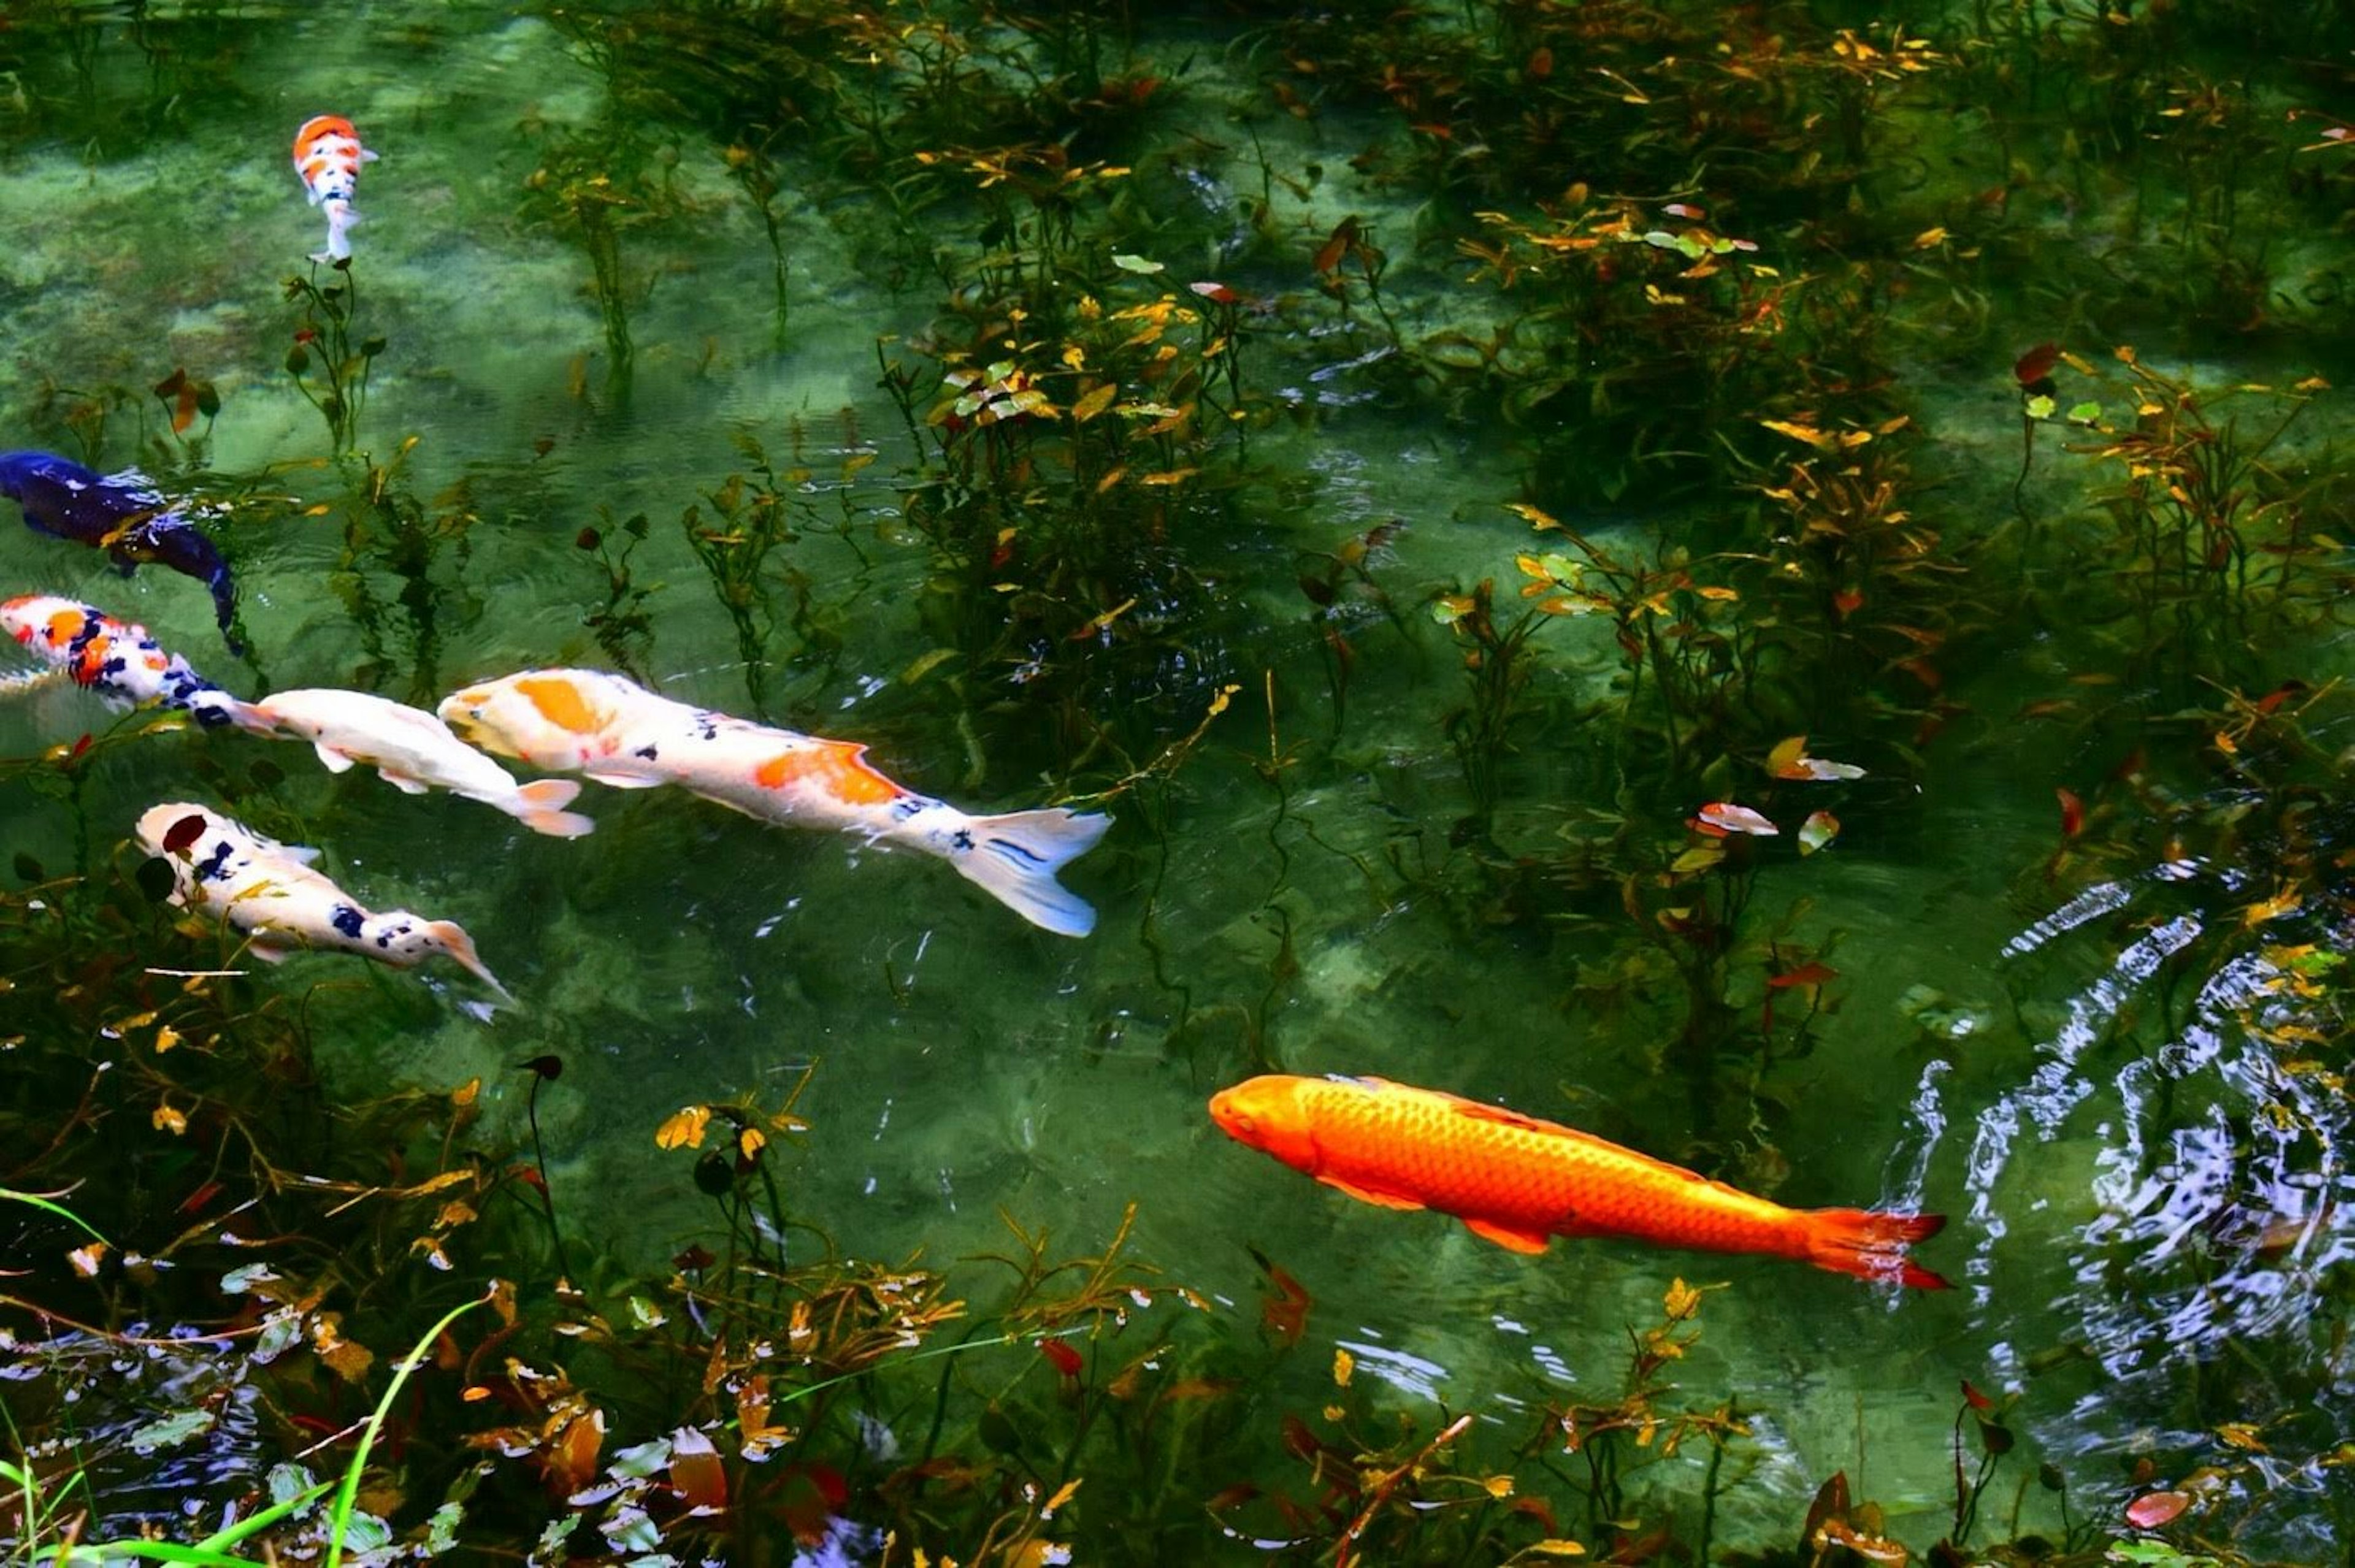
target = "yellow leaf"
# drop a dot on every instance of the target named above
(1111, 479)
(1556, 1546)
(1343, 1365)
(1717, 594)
(1822, 441)
(1498, 1486)
(2274, 908)
(684, 1130)
(1537, 519)
(168, 1120)
(925, 664)
(1929, 238)
(1062, 1496)
(1785, 757)
(466, 1092)
(751, 1141)
(1173, 476)
(1681, 1301)
(1095, 400)
(166, 1037)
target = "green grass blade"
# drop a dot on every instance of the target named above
(60, 1211)
(340, 1515)
(245, 1528)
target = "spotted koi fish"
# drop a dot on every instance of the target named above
(117, 660)
(223, 868)
(415, 752)
(1519, 1181)
(124, 515)
(328, 155)
(606, 728)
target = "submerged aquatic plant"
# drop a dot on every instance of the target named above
(323, 344)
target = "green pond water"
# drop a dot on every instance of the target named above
(2072, 1048)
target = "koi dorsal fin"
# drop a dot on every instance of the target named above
(1509, 1118)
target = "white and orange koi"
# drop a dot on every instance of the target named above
(328, 155)
(415, 752)
(117, 659)
(619, 733)
(223, 868)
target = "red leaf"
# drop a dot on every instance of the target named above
(2073, 812)
(1067, 1361)
(2036, 363)
(182, 833)
(79, 746)
(2153, 1510)
(1975, 1398)
(1301, 1442)
(1286, 1310)
(1540, 64)
(1847, 601)
(1328, 256)
(1811, 974)
(200, 1197)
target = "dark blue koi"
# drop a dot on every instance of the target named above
(122, 514)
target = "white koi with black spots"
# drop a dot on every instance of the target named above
(223, 869)
(619, 733)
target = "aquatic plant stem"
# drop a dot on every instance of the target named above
(540, 1164)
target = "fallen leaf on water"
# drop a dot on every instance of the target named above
(2153, 1510)
(1819, 829)
(1724, 816)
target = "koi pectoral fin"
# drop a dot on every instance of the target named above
(332, 759)
(1381, 1198)
(1508, 1236)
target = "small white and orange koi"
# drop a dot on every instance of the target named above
(119, 660)
(328, 155)
(619, 733)
(415, 752)
(223, 868)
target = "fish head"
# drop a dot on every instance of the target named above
(544, 717)
(1268, 1113)
(173, 828)
(37, 619)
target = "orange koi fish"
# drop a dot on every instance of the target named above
(1519, 1181)
(619, 733)
(328, 155)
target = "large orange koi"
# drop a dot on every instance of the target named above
(1519, 1181)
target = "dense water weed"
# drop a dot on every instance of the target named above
(1763, 582)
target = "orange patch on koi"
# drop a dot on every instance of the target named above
(561, 703)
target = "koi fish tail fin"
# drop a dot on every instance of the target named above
(461, 946)
(1872, 1245)
(213, 708)
(544, 801)
(1014, 857)
(340, 219)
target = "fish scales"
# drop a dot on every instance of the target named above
(1547, 1177)
(1518, 1182)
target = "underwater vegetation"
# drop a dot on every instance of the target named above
(1766, 580)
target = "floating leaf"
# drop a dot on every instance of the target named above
(2036, 363)
(1819, 829)
(167, 1431)
(2038, 407)
(1129, 264)
(2085, 414)
(1724, 816)
(2153, 1510)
